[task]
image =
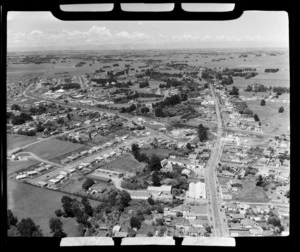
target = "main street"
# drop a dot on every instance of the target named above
(220, 228)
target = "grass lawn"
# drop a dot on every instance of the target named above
(126, 163)
(223, 180)
(15, 141)
(27, 201)
(52, 148)
(250, 192)
(15, 166)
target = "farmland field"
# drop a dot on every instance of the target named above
(272, 121)
(16, 141)
(28, 201)
(52, 148)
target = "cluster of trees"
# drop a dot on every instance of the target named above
(18, 120)
(202, 133)
(56, 229)
(66, 86)
(250, 170)
(144, 84)
(168, 101)
(234, 91)
(153, 161)
(24, 228)
(129, 109)
(87, 183)
(281, 90)
(257, 88)
(15, 107)
(80, 64)
(271, 70)
(135, 96)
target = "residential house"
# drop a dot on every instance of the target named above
(237, 217)
(121, 234)
(140, 195)
(194, 231)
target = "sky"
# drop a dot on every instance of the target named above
(41, 30)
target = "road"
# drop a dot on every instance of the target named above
(220, 228)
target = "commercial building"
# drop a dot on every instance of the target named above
(197, 190)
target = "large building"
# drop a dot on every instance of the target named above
(197, 190)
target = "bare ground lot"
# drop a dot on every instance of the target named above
(28, 201)
(15, 141)
(52, 148)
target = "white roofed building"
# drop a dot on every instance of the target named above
(197, 190)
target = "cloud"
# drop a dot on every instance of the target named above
(102, 34)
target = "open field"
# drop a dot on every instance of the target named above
(223, 180)
(272, 121)
(124, 164)
(15, 141)
(250, 192)
(52, 148)
(15, 166)
(28, 201)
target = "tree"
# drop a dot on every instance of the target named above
(11, 219)
(67, 206)
(160, 209)
(123, 199)
(260, 181)
(27, 228)
(159, 112)
(179, 214)
(188, 146)
(154, 163)
(149, 234)
(202, 133)
(234, 91)
(256, 117)
(159, 222)
(87, 206)
(208, 229)
(55, 226)
(151, 201)
(263, 102)
(59, 212)
(287, 194)
(15, 107)
(69, 117)
(155, 179)
(135, 222)
(281, 109)
(87, 184)
(135, 150)
(13, 232)
(274, 220)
